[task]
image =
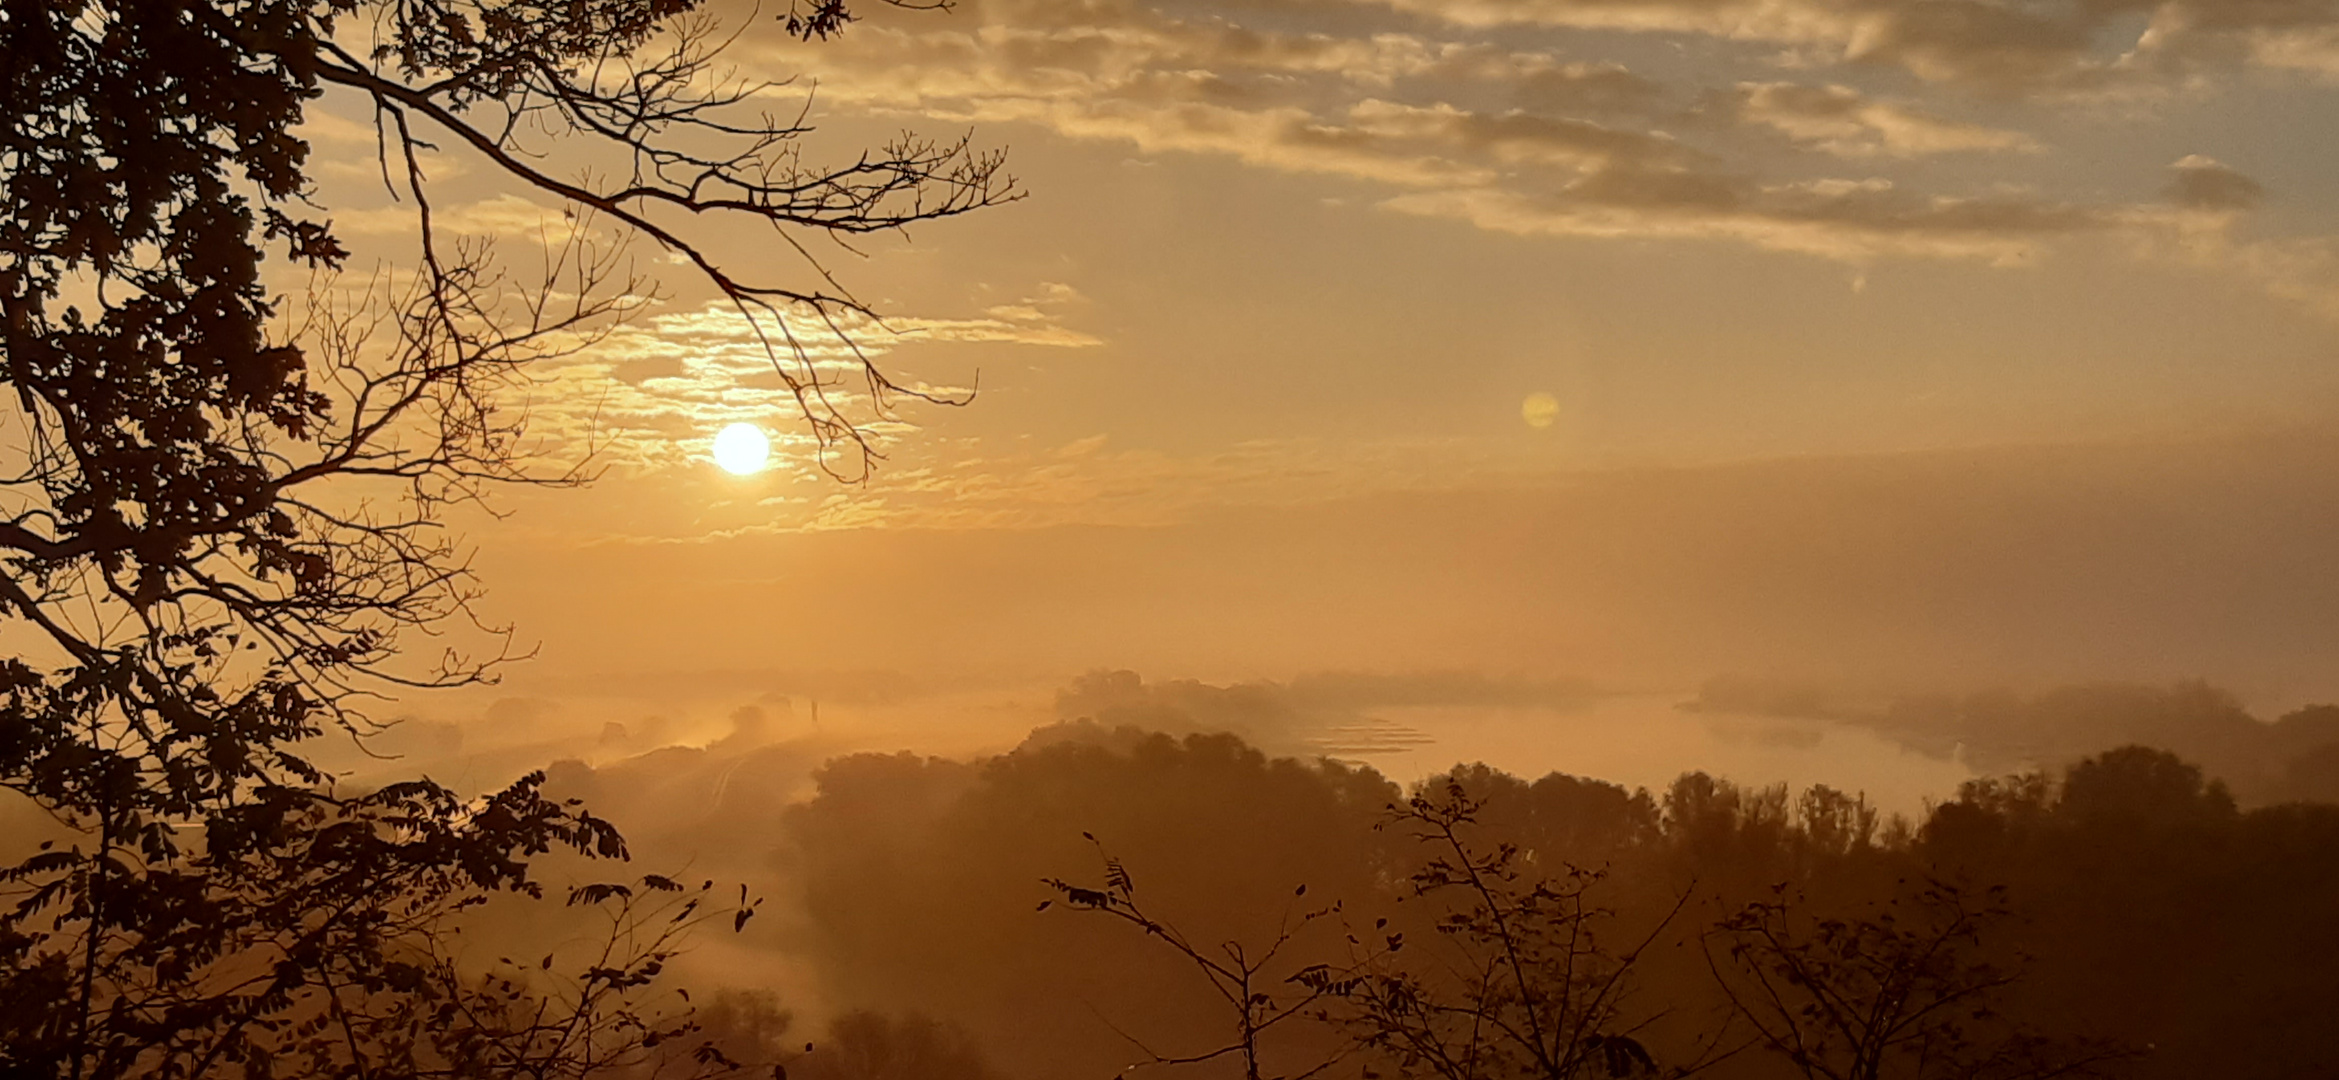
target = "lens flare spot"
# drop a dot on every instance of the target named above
(741, 449)
(1540, 410)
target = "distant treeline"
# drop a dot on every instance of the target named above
(2292, 757)
(2144, 910)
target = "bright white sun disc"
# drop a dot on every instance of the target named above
(741, 449)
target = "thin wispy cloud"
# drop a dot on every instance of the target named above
(1803, 129)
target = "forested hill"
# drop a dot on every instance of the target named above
(2131, 910)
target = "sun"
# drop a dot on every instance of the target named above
(741, 449)
(1540, 410)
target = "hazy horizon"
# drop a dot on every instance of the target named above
(1170, 539)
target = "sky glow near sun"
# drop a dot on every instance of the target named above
(1304, 261)
(1714, 233)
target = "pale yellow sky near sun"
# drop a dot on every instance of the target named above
(1642, 339)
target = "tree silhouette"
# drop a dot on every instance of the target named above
(1523, 988)
(1527, 988)
(1900, 993)
(1245, 977)
(224, 504)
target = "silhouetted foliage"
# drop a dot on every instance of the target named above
(225, 508)
(2141, 910)
(2159, 915)
(749, 1030)
(1527, 987)
(1244, 977)
(917, 877)
(1898, 993)
(1523, 988)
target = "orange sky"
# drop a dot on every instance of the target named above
(1891, 343)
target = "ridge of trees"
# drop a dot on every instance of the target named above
(2142, 909)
